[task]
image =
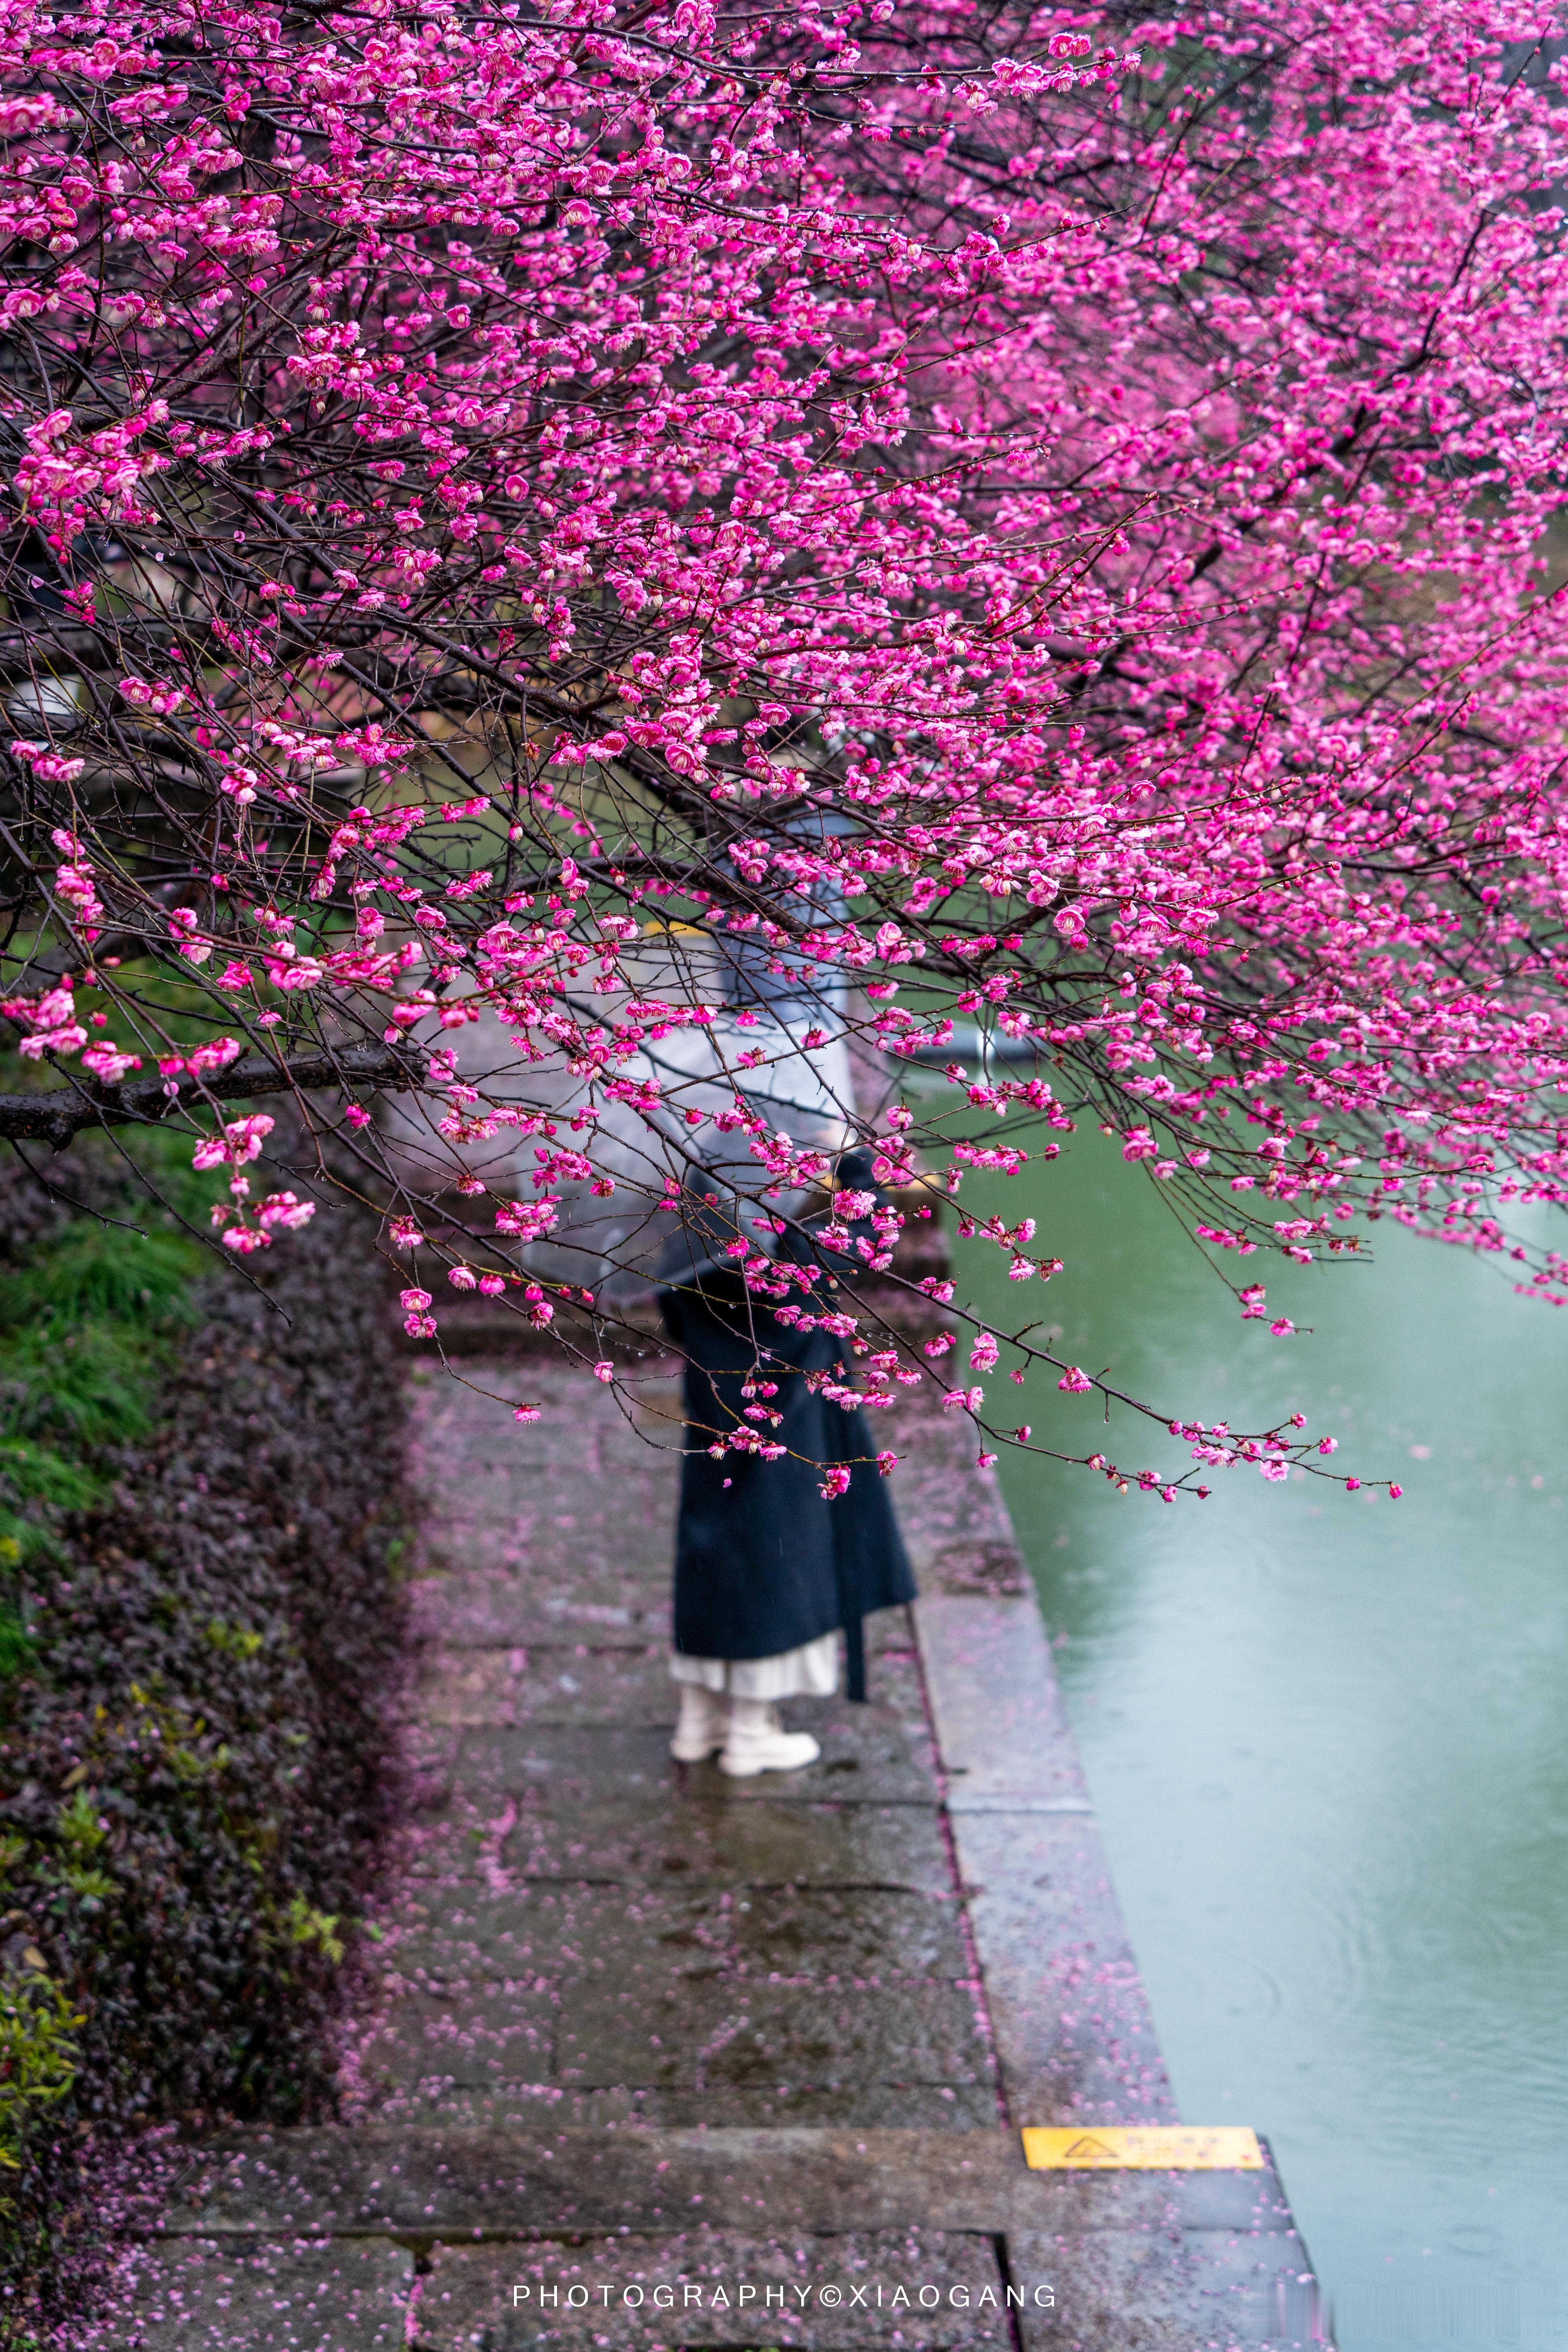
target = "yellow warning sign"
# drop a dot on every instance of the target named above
(1143, 2148)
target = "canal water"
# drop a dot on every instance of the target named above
(1328, 1735)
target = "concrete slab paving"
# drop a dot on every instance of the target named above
(554, 1933)
(840, 2293)
(504, 1687)
(580, 1684)
(1167, 2291)
(996, 1707)
(352, 2296)
(472, 2037)
(463, 1932)
(869, 1756)
(544, 2181)
(871, 1934)
(955, 1519)
(1075, 2036)
(718, 1841)
(721, 2032)
(716, 2106)
(502, 1610)
(641, 2028)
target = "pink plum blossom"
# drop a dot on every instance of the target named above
(1088, 627)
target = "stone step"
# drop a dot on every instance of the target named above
(639, 2239)
(195, 2294)
(379, 2180)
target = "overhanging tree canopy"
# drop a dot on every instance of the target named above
(1008, 523)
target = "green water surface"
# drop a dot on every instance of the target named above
(1328, 1735)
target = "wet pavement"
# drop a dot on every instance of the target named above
(645, 2037)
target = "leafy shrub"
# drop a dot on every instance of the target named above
(39, 2057)
(200, 1649)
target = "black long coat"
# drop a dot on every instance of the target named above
(764, 1562)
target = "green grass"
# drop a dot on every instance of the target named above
(95, 1272)
(16, 1645)
(88, 1326)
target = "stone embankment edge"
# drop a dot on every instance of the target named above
(1180, 2261)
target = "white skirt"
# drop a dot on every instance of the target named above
(810, 1672)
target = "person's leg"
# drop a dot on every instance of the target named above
(703, 1727)
(758, 1742)
(730, 1704)
(809, 1671)
(704, 1716)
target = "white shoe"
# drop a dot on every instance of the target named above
(703, 1727)
(759, 1743)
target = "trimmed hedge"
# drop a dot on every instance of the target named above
(201, 1658)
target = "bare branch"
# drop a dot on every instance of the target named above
(63, 1113)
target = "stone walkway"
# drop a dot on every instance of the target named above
(662, 2059)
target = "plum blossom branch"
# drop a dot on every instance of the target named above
(59, 1114)
(627, 588)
